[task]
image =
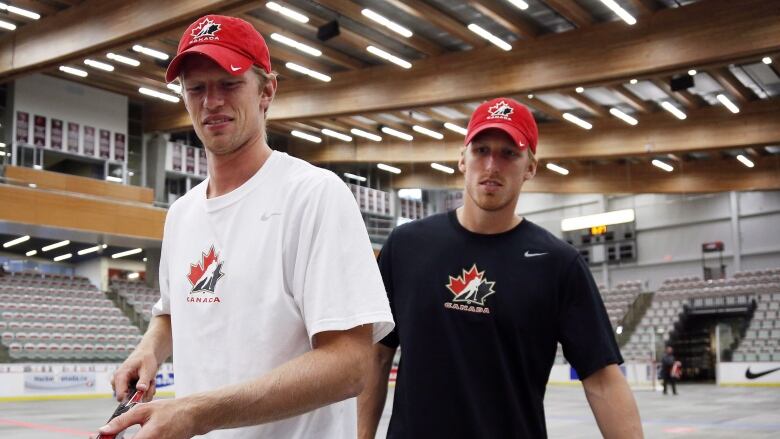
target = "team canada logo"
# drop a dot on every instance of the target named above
(471, 289)
(501, 110)
(204, 276)
(205, 29)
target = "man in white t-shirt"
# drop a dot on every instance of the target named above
(270, 295)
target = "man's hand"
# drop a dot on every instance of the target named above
(162, 419)
(140, 369)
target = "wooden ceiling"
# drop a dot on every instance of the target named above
(557, 46)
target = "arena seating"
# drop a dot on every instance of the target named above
(137, 296)
(58, 318)
(762, 338)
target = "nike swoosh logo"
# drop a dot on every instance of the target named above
(531, 255)
(751, 376)
(235, 69)
(267, 216)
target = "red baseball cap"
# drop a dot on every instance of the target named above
(508, 115)
(230, 42)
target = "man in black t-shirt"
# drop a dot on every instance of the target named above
(481, 298)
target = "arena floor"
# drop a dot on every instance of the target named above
(700, 411)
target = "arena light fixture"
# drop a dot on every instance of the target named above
(73, 71)
(663, 165)
(133, 275)
(442, 168)
(123, 59)
(727, 103)
(668, 106)
(395, 133)
(7, 25)
(457, 128)
(503, 45)
(134, 251)
(176, 88)
(55, 245)
(113, 179)
(99, 65)
(430, 133)
(158, 94)
(89, 250)
(150, 52)
(577, 121)
(745, 161)
(692, 72)
(623, 116)
(389, 57)
(619, 330)
(31, 253)
(336, 134)
(306, 136)
(619, 11)
(766, 60)
(633, 81)
(354, 177)
(580, 89)
(297, 45)
(287, 12)
(393, 26)
(308, 72)
(388, 168)
(555, 168)
(18, 240)
(365, 135)
(599, 219)
(63, 257)
(20, 11)
(520, 4)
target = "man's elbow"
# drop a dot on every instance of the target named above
(357, 371)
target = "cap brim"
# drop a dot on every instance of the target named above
(230, 60)
(520, 141)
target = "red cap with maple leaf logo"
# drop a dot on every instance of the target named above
(231, 42)
(507, 115)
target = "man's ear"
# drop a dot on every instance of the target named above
(267, 94)
(462, 160)
(530, 171)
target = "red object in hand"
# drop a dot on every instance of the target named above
(122, 408)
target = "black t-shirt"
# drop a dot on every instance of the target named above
(478, 318)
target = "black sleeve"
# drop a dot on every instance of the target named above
(584, 330)
(385, 268)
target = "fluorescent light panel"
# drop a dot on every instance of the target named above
(393, 26)
(389, 57)
(134, 251)
(427, 132)
(19, 240)
(63, 257)
(308, 72)
(305, 48)
(287, 12)
(20, 11)
(354, 177)
(158, 94)
(150, 52)
(599, 219)
(176, 88)
(766, 60)
(442, 168)
(114, 179)
(55, 245)
(745, 161)
(89, 250)
(99, 65)
(365, 135)
(133, 275)
(577, 121)
(388, 168)
(123, 59)
(666, 105)
(457, 128)
(31, 253)
(663, 165)
(692, 72)
(490, 37)
(555, 168)
(7, 25)
(336, 134)
(520, 4)
(72, 71)
(623, 116)
(306, 136)
(727, 103)
(619, 11)
(400, 134)
(580, 89)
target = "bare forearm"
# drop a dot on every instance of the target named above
(315, 379)
(371, 402)
(613, 404)
(157, 338)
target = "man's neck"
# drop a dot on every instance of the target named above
(228, 172)
(485, 222)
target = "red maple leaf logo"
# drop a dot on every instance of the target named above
(457, 284)
(197, 270)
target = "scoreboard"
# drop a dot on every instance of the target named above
(600, 242)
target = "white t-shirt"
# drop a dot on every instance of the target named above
(250, 276)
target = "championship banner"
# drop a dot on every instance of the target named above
(190, 160)
(22, 128)
(77, 382)
(89, 141)
(176, 156)
(105, 144)
(73, 137)
(119, 147)
(39, 131)
(203, 166)
(56, 134)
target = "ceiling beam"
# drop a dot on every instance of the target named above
(731, 84)
(710, 128)
(631, 99)
(81, 30)
(706, 33)
(440, 19)
(571, 11)
(589, 105)
(645, 7)
(686, 98)
(508, 17)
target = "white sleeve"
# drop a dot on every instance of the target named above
(335, 279)
(163, 305)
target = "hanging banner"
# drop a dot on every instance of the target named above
(203, 166)
(105, 144)
(39, 131)
(22, 128)
(73, 137)
(119, 147)
(56, 134)
(190, 160)
(176, 157)
(89, 141)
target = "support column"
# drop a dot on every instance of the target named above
(735, 234)
(156, 149)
